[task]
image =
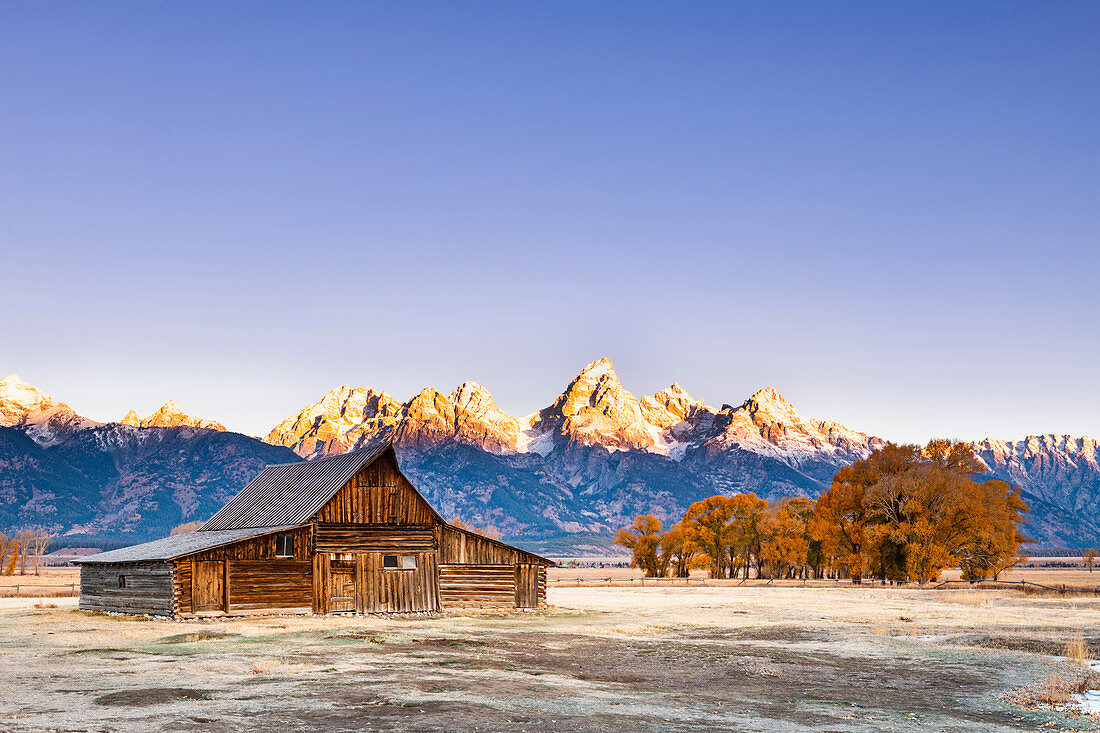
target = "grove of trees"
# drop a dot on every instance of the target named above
(904, 513)
(26, 548)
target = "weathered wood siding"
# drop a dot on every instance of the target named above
(255, 584)
(477, 586)
(377, 494)
(527, 586)
(457, 547)
(148, 588)
(358, 583)
(390, 590)
(252, 577)
(330, 537)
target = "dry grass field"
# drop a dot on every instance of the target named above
(51, 581)
(600, 659)
(563, 576)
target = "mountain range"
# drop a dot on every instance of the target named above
(584, 465)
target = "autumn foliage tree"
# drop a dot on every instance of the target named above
(747, 526)
(709, 527)
(677, 551)
(906, 513)
(1089, 556)
(785, 540)
(643, 538)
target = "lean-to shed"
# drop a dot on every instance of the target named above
(348, 534)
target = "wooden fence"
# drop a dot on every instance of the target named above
(1013, 584)
(1022, 585)
(52, 590)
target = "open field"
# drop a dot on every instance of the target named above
(601, 659)
(1075, 577)
(51, 581)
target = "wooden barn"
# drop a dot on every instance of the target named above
(348, 534)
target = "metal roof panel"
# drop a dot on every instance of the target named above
(179, 545)
(290, 493)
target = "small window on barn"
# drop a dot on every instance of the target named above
(390, 561)
(284, 545)
(408, 562)
(122, 581)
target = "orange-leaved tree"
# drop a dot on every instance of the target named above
(992, 539)
(785, 542)
(906, 513)
(643, 537)
(841, 517)
(677, 551)
(708, 524)
(747, 522)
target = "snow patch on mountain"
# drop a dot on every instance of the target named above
(44, 419)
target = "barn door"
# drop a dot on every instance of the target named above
(341, 584)
(527, 586)
(208, 591)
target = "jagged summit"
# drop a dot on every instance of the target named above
(44, 418)
(594, 410)
(767, 395)
(598, 368)
(17, 393)
(169, 415)
(768, 400)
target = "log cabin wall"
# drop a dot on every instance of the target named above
(330, 537)
(527, 585)
(542, 587)
(458, 547)
(127, 588)
(477, 586)
(252, 577)
(477, 572)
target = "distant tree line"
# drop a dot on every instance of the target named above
(904, 513)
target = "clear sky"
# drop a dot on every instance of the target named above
(891, 212)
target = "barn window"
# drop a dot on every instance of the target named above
(399, 562)
(284, 545)
(122, 581)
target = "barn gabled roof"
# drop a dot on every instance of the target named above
(291, 493)
(178, 545)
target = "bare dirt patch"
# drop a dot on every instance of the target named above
(151, 696)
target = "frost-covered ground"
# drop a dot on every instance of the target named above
(603, 659)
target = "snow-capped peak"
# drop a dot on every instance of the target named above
(769, 401)
(598, 368)
(15, 392)
(22, 405)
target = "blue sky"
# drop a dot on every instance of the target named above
(890, 212)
